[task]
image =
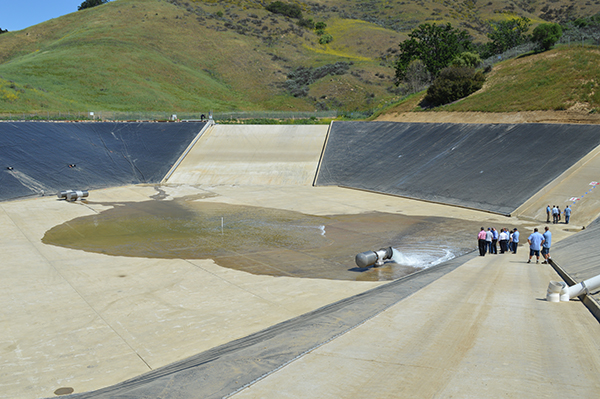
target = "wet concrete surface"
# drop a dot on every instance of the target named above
(266, 241)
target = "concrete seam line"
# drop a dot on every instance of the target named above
(314, 183)
(237, 286)
(262, 377)
(51, 263)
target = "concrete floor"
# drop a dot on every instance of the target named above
(73, 319)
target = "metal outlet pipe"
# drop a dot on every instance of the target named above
(377, 258)
(73, 195)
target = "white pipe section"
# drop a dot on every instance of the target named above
(584, 287)
(558, 291)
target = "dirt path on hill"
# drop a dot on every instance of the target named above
(569, 116)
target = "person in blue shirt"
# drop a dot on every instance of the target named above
(546, 244)
(515, 240)
(494, 247)
(548, 210)
(567, 213)
(535, 241)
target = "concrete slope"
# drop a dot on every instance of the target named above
(489, 167)
(253, 155)
(47, 157)
(483, 330)
(576, 187)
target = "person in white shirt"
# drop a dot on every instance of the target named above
(503, 238)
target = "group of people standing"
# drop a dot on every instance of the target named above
(488, 241)
(555, 212)
(509, 241)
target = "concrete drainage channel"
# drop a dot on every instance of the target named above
(248, 360)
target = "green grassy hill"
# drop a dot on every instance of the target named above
(565, 78)
(136, 55)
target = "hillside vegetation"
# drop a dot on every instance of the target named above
(566, 78)
(132, 55)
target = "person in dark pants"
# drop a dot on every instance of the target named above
(567, 213)
(515, 241)
(548, 210)
(535, 240)
(546, 244)
(494, 247)
(503, 239)
(481, 241)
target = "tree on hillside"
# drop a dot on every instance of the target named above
(91, 3)
(417, 77)
(546, 35)
(436, 46)
(506, 34)
(3, 30)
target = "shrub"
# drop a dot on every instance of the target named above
(325, 38)
(289, 10)
(466, 59)
(320, 25)
(452, 84)
(90, 4)
(307, 23)
(300, 78)
(546, 35)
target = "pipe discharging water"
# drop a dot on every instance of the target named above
(377, 258)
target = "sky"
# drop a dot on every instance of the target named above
(20, 14)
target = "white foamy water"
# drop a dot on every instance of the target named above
(426, 256)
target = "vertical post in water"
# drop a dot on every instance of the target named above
(221, 225)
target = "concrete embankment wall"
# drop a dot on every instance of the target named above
(489, 167)
(253, 155)
(48, 157)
